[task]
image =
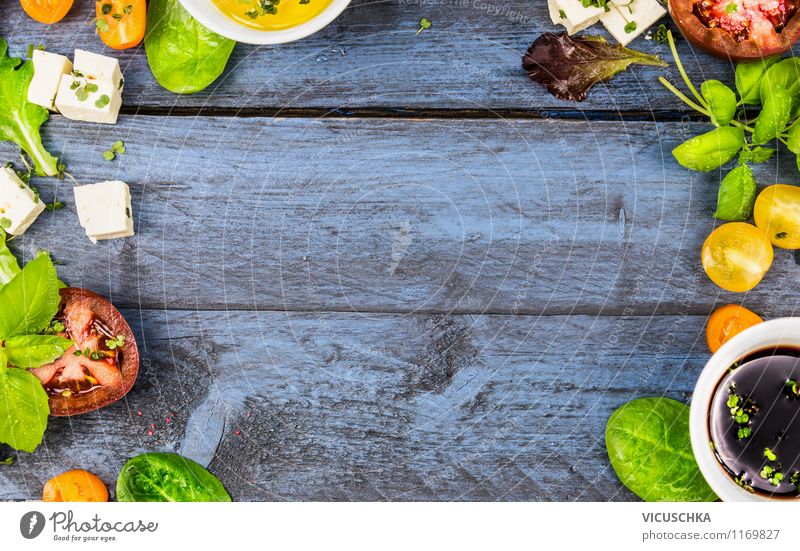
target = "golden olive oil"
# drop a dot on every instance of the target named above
(270, 15)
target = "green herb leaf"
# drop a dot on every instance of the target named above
(30, 300)
(721, 101)
(562, 14)
(9, 267)
(756, 155)
(737, 194)
(424, 23)
(630, 27)
(660, 36)
(23, 407)
(748, 79)
(108, 155)
(54, 206)
(184, 56)
(102, 101)
(569, 66)
(30, 351)
(731, 8)
(648, 444)
(167, 477)
(102, 25)
(118, 147)
(784, 73)
(20, 120)
(775, 114)
(793, 139)
(710, 150)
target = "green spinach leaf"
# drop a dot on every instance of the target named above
(184, 56)
(710, 150)
(167, 477)
(30, 300)
(774, 115)
(23, 407)
(20, 120)
(9, 267)
(748, 79)
(721, 101)
(648, 444)
(737, 194)
(29, 351)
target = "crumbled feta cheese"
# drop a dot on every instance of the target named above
(573, 15)
(19, 205)
(47, 72)
(104, 210)
(626, 22)
(82, 99)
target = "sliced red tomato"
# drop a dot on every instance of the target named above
(121, 23)
(46, 11)
(102, 365)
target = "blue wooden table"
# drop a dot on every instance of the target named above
(378, 266)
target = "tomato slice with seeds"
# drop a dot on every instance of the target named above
(102, 365)
(46, 11)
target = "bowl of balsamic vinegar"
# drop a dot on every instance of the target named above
(745, 415)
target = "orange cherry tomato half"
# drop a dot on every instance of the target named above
(47, 11)
(77, 485)
(727, 321)
(121, 23)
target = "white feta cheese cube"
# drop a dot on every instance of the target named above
(104, 210)
(573, 15)
(83, 99)
(19, 205)
(47, 72)
(642, 13)
(98, 67)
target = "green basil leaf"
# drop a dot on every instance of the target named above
(23, 407)
(721, 101)
(167, 477)
(30, 300)
(785, 74)
(737, 193)
(748, 79)
(710, 150)
(184, 56)
(29, 351)
(774, 115)
(9, 267)
(648, 443)
(756, 155)
(793, 140)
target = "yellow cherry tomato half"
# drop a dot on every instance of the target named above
(727, 322)
(121, 23)
(736, 256)
(777, 213)
(46, 11)
(77, 485)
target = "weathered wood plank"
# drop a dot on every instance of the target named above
(379, 407)
(399, 215)
(371, 58)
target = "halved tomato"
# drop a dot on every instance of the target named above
(102, 365)
(738, 30)
(47, 11)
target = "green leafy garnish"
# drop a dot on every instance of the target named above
(769, 454)
(425, 23)
(569, 66)
(167, 477)
(648, 443)
(9, 267)
(108, 155)
(737, 194)
(23, 407)
(630, 26)
(117, 342)
(660, 36)
(21, 120)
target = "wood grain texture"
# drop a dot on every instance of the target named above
(370, 58)
(471, 216)
(285, 406)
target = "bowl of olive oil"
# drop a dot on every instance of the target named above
(265, 21)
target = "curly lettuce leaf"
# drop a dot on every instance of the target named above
(568, 67)
(9, 267)
(20, 120)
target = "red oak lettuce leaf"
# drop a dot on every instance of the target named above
(569, 67)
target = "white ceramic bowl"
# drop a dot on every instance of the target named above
(209, 15)
(770, 334)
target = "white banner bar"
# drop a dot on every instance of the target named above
(400, 526)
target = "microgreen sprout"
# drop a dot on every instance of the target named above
(424, 24)
(117, 342)
(769, 454)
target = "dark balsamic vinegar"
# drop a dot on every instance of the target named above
(764, 440)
